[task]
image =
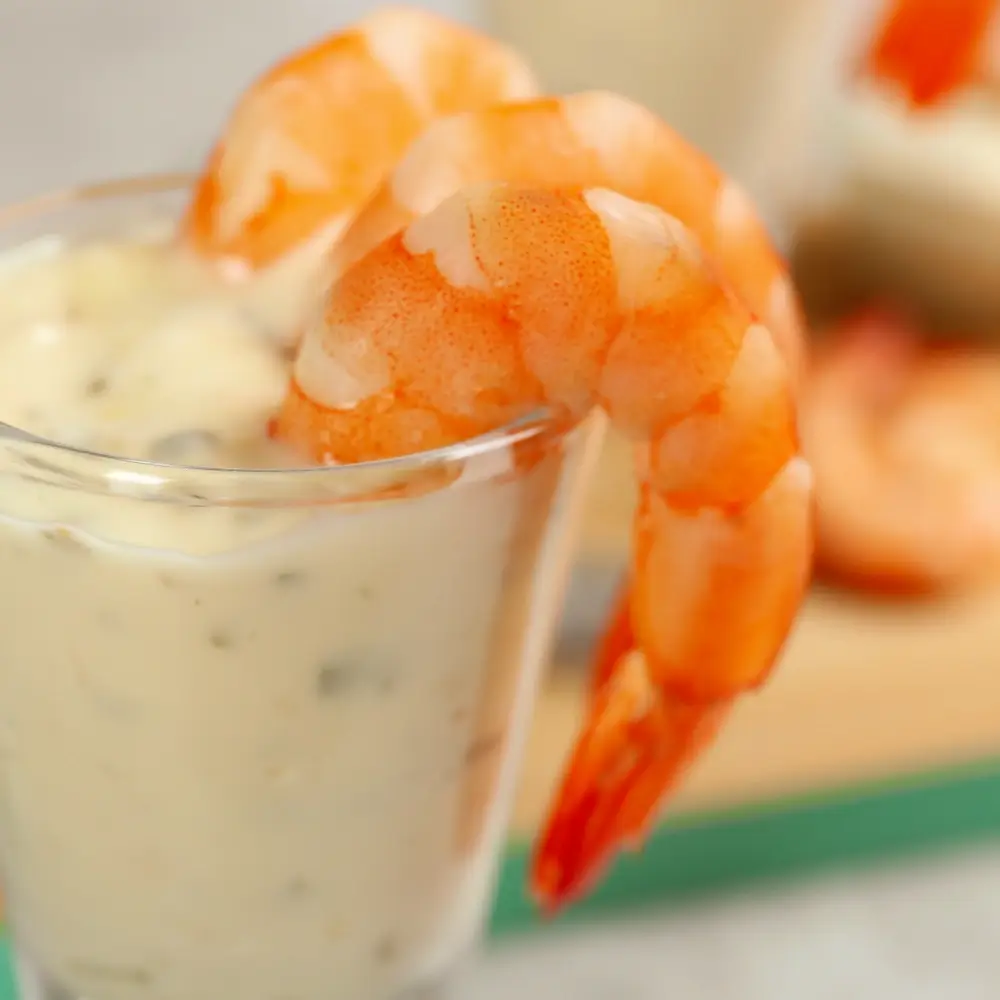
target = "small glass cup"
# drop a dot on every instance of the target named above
(259, 730)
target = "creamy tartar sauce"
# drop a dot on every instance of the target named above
(247, 750)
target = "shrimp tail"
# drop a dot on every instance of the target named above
(930, 48)
(640, 743)
(687, 645)
(617, 639)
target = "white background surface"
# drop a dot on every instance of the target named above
(925, 930)
(94, 89)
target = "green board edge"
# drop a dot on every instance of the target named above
(699, 854)
(694, 855)
(8, 988)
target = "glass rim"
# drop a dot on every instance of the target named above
(149, 472)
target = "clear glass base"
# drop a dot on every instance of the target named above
(33, 984)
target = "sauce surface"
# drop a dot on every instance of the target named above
(138, 349)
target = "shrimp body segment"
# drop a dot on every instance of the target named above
(590, 139)
(931, 48)
(507, 298)
(308, 143)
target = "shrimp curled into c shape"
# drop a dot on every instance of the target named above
(569, 300)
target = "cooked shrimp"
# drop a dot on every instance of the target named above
(905, 444)
(311, 139)
(508, 299)
(931, 48)
(616, 640)
(593, 139)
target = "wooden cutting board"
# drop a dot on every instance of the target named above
(866, 690)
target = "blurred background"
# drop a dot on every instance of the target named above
(841, 840)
